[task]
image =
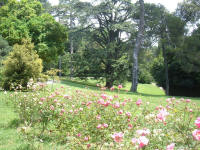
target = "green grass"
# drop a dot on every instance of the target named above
(8, 131)
(146, 92)
(10, 139)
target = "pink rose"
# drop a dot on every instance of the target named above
(188, 100)
(130, 126)
(104, 96)
(196, 134)
(171, 146)
(99, 126)
(120, 112)
(197, 122)
(112, 88)
(62, 110)
(134, 141)
(52, 107)
(42, 99)
(161, 116)
(86, 138)
(128, 114)
(119, 86)
(143, 141)
(118, 137)
(105, 125)
(143, 132)
(139, 102)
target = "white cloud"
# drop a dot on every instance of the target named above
(54, 2)
(169, 4)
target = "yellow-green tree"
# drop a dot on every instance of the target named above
(22, 64)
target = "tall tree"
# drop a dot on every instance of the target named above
(137, 48)
(189, 10)
(29, 22)
(46, 5)
(109, 19)
(164, 41)
(68, 13)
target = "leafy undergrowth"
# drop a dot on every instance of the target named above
(97, 119)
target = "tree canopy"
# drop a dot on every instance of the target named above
(25, 19)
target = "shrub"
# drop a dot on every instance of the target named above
(145, 76)
(21, 65)
(158, 71)
(181, 82)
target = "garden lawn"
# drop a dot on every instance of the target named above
(11, 139)
(147, 92)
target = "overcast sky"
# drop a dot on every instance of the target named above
(169, 4)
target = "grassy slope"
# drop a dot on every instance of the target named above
(11, 140)
(146, 92)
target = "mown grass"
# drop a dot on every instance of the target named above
(146, 92)
(10, 139)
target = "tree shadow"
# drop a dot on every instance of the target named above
(92, 87)
(82, 85)
(14, 123)
(79, 85)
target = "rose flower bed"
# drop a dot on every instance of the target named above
(88, 120)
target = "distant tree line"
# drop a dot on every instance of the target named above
(113, 40)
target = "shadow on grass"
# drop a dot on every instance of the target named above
(26, 147)
(93, 87)
(14, 123)
(83, 85)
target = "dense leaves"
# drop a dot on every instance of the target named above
(20, 66)
(24, 19)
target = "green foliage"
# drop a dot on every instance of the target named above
(52, 73)
(189, 11)
(14, 17)
(4, 47)
(145, 76)
(145, 63)
(4, 50)
(106, 54)
(24, 19)
(22, 10)
(48, 36)
(183, 67)
(21, 65)
(13, 29)
(157, 71)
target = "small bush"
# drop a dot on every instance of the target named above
(158, 71)
(20, 66)
(145, 76)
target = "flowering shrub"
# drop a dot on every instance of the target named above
(86, 120)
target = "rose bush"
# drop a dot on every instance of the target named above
(88, 120)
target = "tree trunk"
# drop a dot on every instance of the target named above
(137, 47)
(109, 84)
(165, 40)
(166, 73)
(60, 66)
(71, 44)
(71, 52)
(109, 77)
(166, 70)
